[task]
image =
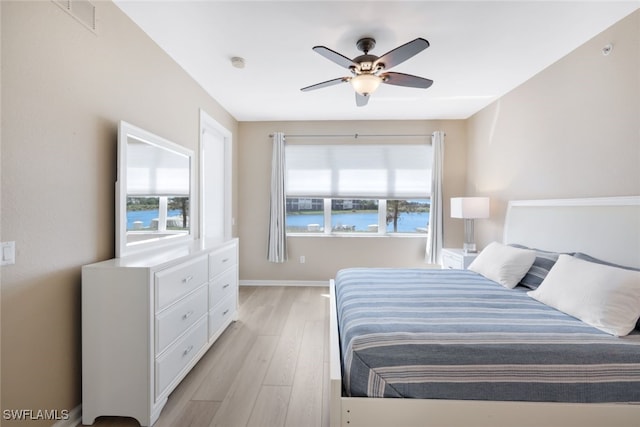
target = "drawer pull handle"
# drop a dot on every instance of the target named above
(225, 260)
(224, 313)
(225, 286)
(187, 279)
(187, 315)
(187, 350)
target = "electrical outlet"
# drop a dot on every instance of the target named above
(302, 259)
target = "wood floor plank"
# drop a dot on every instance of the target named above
(276, 322)
(197, 413)
(326, 393)
(260, 308)
(283, 364)
(305, 405)
(245, 292)
(228, 362)
(237, 405)
(271, 406)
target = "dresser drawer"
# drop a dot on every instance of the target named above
(172, 283)
(176, 319)
(220, 260)
(222, 286)
(221, 314)
(178, 356)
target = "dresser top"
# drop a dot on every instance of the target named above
(161, 257)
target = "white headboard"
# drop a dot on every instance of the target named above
(605, 227)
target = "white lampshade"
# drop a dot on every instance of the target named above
(469, 207)
(366, 84)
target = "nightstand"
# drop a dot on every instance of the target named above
(456, 258)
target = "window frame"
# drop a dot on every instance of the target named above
(328, 231)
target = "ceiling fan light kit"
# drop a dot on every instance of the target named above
(365, 84)
(368, 71)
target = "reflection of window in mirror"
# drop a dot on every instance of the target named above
(158, 190)
(153, 194)
(158, 214)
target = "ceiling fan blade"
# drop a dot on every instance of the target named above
(401, 79)
(361, 100)
(402, 53)
(326, 84)
(334, 56)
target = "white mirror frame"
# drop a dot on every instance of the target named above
(126, 130)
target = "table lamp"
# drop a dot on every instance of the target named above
(469, 209)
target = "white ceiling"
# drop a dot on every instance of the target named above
(479, 50)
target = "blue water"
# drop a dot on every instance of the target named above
(147, 216)
(407, 223)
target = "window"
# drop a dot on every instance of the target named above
(305, 215)
(371, 189)
(357, 216)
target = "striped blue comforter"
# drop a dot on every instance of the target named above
(452, 334)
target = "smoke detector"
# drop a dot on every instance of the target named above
(237, 62)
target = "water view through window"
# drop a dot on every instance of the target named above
(357, 216)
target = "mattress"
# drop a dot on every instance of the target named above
(453, 334)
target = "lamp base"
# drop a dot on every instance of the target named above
(469, 245)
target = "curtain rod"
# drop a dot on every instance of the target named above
(354, 135)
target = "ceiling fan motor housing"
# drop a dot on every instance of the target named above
(366, 44)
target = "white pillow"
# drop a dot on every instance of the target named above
(605, 297)
(503, 264)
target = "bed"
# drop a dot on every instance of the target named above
(550, 369)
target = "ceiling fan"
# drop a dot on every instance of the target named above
(368, 71)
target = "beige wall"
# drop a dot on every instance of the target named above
(325, 255)
(572, 130)
(64, 89)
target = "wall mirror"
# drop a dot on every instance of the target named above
(154, 191)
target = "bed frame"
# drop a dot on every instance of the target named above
(607, 228)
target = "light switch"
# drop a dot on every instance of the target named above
(8, 253)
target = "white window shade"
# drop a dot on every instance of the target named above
(380, 171)
(156, 171)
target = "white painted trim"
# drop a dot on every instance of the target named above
(590, 201)
(208, 122)
(284, 282)
(75, 418)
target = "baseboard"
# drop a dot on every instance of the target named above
(284, 283)
(74, 420)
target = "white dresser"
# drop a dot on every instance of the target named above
(146, 321)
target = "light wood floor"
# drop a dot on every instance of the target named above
(268, 369)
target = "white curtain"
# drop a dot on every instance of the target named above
(277, 251)
(436, 234)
